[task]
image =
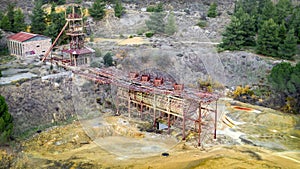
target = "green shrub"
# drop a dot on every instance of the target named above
(119, 9)
(150, 8)
(108, 60)
(92, 38)
(95, 64)
(149, 34)
(202, 24)
(212, 12)
(155, 8)
(98, 53)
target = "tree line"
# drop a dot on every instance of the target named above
(268, 28)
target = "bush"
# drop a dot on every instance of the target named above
(155, 8)
(202, 24)
(6, 125)
(95, 64)
(150, 8)
(92, 38)
(156, 22)
(4, 51)
(98, 53)
(97, 10)
(171, 27)
(212, 12)
(119, 9)
(108, 60)
(240, 91)
(149, 34)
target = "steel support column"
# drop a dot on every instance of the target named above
(183, 127)
(199, 124)
(154, 112)
(216, 117)
(129, 103)
(169, 124)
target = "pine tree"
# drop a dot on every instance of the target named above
(280, 75)
(156, 22)
(159, 7)
(267, 40)
(295, 80)
(212, 11)
(57, 22)
(97, 10)
(249, 6)
(171, 26)
(285, 81)
(288, 48)
(233, 37)
(10, 14)
(119, 9)
(266, 12)
(19, 21)
(38, 22)
(296, 22)
(281, 33)
(282, 10)
(247, 27)
(6, 122)
(5, 24)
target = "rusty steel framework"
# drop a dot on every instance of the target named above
(157, 96)
(78, 53)
(183, 107)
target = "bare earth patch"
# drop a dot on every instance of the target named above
(70, 146)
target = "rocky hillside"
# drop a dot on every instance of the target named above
(36, 103)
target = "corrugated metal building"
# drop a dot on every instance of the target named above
(24, 44)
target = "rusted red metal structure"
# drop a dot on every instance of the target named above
(76, 54)
(173, 103)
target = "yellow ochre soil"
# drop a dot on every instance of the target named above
(69, 147)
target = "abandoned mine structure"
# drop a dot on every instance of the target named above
(154, 95)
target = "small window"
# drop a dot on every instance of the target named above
(43, 51)
(37, 46)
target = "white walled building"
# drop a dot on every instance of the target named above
(25, 44)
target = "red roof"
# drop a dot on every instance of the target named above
(22, 36)
(79, 51)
